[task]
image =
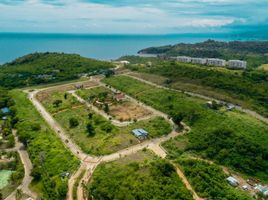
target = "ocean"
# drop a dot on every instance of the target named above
(104, 47)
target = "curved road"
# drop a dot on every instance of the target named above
(24, 186)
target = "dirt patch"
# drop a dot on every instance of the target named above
(128, 110)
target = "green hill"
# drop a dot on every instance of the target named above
(40, 68)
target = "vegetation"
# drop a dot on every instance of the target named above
(139, 179)
(40, 68)
(98, 136)
(49, 156)
(56, 101)
(254, 52)
(209, 181)
(249, 88)
(242, 147)
(11, 173)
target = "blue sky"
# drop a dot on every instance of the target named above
(132, 16)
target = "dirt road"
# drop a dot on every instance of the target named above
(24, 186)
(247, 111)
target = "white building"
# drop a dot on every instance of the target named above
(232, 181)
(237, 64)
(201, 61)
(216, 62)
(124, 62)
(185, 59)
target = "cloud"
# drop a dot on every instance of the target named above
(128, 16)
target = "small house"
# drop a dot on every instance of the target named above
(262, 189)
(124, 62)
(79, 86)
(232, 181)
(140, 133)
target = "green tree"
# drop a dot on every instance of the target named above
(90, 130)
(106, 108)
(57, 103)
(73, 123)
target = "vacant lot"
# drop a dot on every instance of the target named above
(140, 176)
(123, 110)
(107, 138)
(232, 138)
(4, 178)
(55, 101)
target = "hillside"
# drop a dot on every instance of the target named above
(40, 68)
(255, 53)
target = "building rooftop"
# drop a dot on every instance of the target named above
(5, 110)
(140, 132)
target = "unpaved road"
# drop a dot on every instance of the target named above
(24, 186)
(247, 111)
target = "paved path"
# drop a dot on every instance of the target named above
(247, 111)
(24, 186)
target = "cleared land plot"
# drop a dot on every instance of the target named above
(4, 178)
(55, 101)
(232, 138)
(107, 138)
(123, 110)
(139, 176)
(209, 180)
(264, 67)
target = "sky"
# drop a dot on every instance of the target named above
(132, 16)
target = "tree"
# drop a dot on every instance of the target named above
(65, 96)
(57, 103)
(90, 130)
(177, 118)
(106, 108)
(90, 115)
(73, 123)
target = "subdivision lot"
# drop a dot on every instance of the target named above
(107, 137)
(120, 109)
(139, 176)
(56, 100)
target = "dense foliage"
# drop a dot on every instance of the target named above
(250, 87)
(209, 181)
(243, 147)
(254, 52)
(49, 156)
(40, 68)
(154, 180)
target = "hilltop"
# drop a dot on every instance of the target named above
(38, 68)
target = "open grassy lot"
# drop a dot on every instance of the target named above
(55, 100)
(140, 176)
(49, 156)
(209, 180)
(123, 109)
(231, 138)
(11, 172)
(107, 138)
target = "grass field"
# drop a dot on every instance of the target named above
(108, 138)
(244, 139)
(139, 176)
(49, 156)
(4, 178)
